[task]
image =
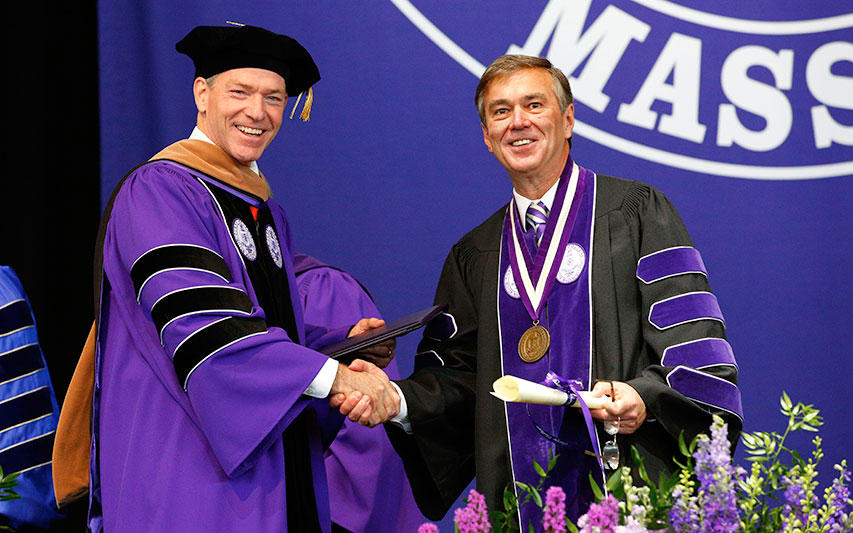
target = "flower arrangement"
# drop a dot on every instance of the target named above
(708, 493)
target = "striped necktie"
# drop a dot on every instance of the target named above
(537, 216)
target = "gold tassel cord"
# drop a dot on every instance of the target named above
(292, 111)
(305, 116)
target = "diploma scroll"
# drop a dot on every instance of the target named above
(514, 389)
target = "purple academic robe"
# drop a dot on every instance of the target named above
(368, 488)
(200, 367)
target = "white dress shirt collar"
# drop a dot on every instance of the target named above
(523, 203)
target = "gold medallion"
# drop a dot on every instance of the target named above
(533, 344)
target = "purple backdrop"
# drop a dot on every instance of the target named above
(742, 115)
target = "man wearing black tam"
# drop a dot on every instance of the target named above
(207, 390)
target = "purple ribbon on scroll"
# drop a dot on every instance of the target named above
(571, 387)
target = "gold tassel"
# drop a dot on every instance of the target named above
(306, 107)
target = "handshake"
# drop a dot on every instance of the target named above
(362, 391)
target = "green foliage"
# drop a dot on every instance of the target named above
(7, 490)
(504, 520)
(7, 486)
(769, 475)
(655, 497)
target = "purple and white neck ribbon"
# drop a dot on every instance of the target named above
(538, 275)
(570, 387)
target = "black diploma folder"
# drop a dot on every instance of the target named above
(347, 350)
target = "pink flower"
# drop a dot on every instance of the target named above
(475, 517)
(428, 527)
(554, 519)
(601, 517)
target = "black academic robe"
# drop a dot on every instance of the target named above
(459, 429)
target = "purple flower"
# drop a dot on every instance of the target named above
(838, 500)
(428, 527)
(684, 514)
(800, 507)
(601, 517)
(716, 476)
(554, 519)
(474, 518)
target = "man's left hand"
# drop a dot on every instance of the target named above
(624, 405)
(379, 354)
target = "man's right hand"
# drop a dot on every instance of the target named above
(364, 394)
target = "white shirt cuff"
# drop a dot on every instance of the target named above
(402, 419)
(323, 381)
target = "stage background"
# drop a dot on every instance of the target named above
(393, 155)
(741, 114)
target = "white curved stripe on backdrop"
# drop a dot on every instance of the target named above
(655, 155)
